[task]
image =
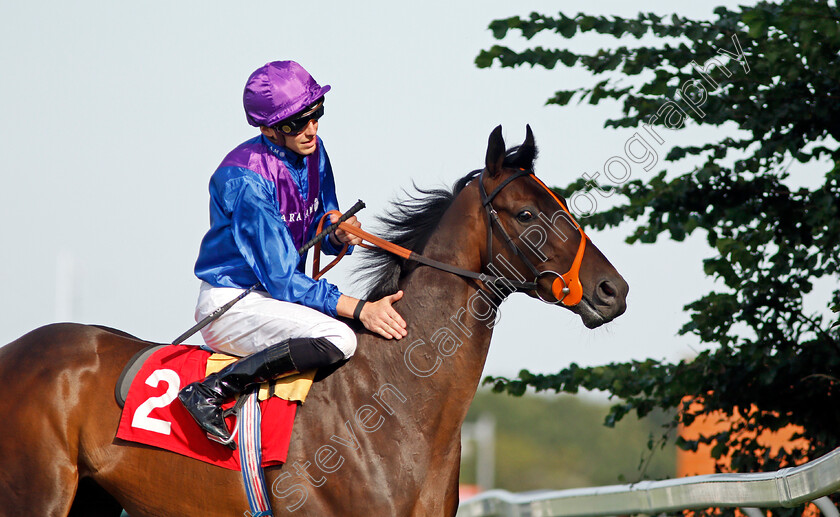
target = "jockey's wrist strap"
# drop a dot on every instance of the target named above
(334, 240)
(358, 311)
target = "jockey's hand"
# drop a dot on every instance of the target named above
(340, 237)
(380, 317)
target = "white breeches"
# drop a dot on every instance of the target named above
(259, 321)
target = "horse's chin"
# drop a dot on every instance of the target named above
(589, 315)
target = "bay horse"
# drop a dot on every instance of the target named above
(379, 436)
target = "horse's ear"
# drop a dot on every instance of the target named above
(495, 152)
(529, 137)
(527, 152)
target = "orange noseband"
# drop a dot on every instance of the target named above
(567, 288)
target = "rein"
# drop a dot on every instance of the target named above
(378, 242)
(566, 288)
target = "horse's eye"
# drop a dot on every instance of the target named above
(524, 216)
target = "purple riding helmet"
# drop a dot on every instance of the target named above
(278, 90)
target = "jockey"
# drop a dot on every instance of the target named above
(266, 198)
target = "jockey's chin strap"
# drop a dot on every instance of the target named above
(566, 288)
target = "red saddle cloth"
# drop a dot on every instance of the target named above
(153, 415)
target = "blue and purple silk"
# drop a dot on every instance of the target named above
(265, 203)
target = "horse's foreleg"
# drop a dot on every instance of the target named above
(450, 497)
(439, 495)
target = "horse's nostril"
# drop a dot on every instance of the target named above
(607, 289)
(610, 296)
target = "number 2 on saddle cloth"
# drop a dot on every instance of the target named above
(153, 416)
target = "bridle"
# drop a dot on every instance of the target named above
(566, 288)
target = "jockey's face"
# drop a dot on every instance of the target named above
(302, 143)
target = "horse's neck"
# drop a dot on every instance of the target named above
(438, 365)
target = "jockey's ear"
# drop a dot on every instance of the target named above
(273, 135)
(495, 152)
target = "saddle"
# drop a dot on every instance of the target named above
(130, 372)
(294, 387)
(152, 415)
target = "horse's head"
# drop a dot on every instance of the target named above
(533, 236)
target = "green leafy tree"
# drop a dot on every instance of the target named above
(772, 71)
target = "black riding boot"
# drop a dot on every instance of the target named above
(203, 399)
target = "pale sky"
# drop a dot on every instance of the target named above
(113, 116)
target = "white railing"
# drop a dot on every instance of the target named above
(787, 488)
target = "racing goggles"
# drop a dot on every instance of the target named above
(295, 125)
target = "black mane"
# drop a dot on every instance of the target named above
(410, 222)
